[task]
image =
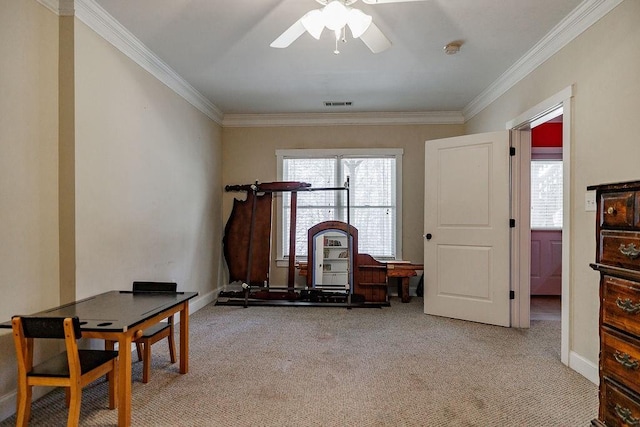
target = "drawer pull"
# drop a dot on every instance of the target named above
(628, 306)
(625, 360)
(625, 416)
(611, 210)
(630, 251)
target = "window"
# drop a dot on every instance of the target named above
(546, 194)
(374, 180)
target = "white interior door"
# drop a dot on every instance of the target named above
(467, 207)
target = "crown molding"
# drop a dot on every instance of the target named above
(334, 119)
(574, 24)
(66, 8)
(52, 5)
(59, 7)
(96, 18)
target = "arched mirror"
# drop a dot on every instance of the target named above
(331, 254)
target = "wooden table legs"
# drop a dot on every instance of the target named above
(184, 338)
(404, 282)
(404, 272)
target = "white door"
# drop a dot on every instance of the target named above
(467, 251)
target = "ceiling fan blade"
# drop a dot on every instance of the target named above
(290, 35)
(388, 1)
(375, 40)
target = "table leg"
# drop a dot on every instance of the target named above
(124, 380)
(113, 395)
(184, 338)
(405, 289)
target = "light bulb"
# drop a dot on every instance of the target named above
(358, 22)
(312, 22)
(335, 15)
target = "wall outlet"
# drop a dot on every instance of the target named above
(590, 201)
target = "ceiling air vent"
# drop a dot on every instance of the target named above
(338, 103)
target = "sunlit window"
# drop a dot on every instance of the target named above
(372, 189)
(546, 194)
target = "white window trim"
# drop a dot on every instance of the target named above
(281, 260)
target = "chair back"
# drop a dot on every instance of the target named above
(48, 327)
(28, 328)
(72, 369)
(163, 287)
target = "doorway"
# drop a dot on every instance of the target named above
(546, 219)
(558, 104)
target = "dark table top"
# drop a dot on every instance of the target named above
(115, 311)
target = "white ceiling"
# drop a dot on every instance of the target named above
(221, 48)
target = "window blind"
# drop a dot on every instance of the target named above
(546, 194)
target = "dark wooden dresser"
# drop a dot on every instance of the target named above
(618, 261)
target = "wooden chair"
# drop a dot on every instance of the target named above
(156, 332)
(72, 369)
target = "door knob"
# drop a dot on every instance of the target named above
(428, 236)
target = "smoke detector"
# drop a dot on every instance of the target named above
(452, 48)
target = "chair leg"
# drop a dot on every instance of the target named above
(23, 411)
(146, 362)
(67, 396)
(172, 348)
(139, 351)
(75, 393)
(112, 376)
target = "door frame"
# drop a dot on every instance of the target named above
(521, 205)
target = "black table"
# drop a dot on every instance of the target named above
(121, 316)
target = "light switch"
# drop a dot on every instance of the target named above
(590, 201)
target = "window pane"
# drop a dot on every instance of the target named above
(371, 180)
(372, 183)
(313, 206)
(376, 231)
(372, 192)
(546, 194)
(317, 172)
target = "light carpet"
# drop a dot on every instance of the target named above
(317, 366)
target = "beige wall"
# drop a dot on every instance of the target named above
(604, 65)
(148, 168)
(106, 175)
(249, 155)
(28, 168)
(148, 177)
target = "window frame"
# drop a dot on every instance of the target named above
(397, 153)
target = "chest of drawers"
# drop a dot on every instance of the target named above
(618, 261)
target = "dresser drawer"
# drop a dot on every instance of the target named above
(621, 304)
(620, 358)
(617, 209)
(620, 249)
(619, 407)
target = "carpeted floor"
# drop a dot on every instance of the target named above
(312, 366)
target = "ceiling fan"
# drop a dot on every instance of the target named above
(336, 15)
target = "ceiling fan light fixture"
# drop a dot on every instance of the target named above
(335, 15)
(358, 22)
(313, 23)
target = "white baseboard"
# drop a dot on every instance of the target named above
(202, 300)
(8, 405)
(584, 367)
(8, 401)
